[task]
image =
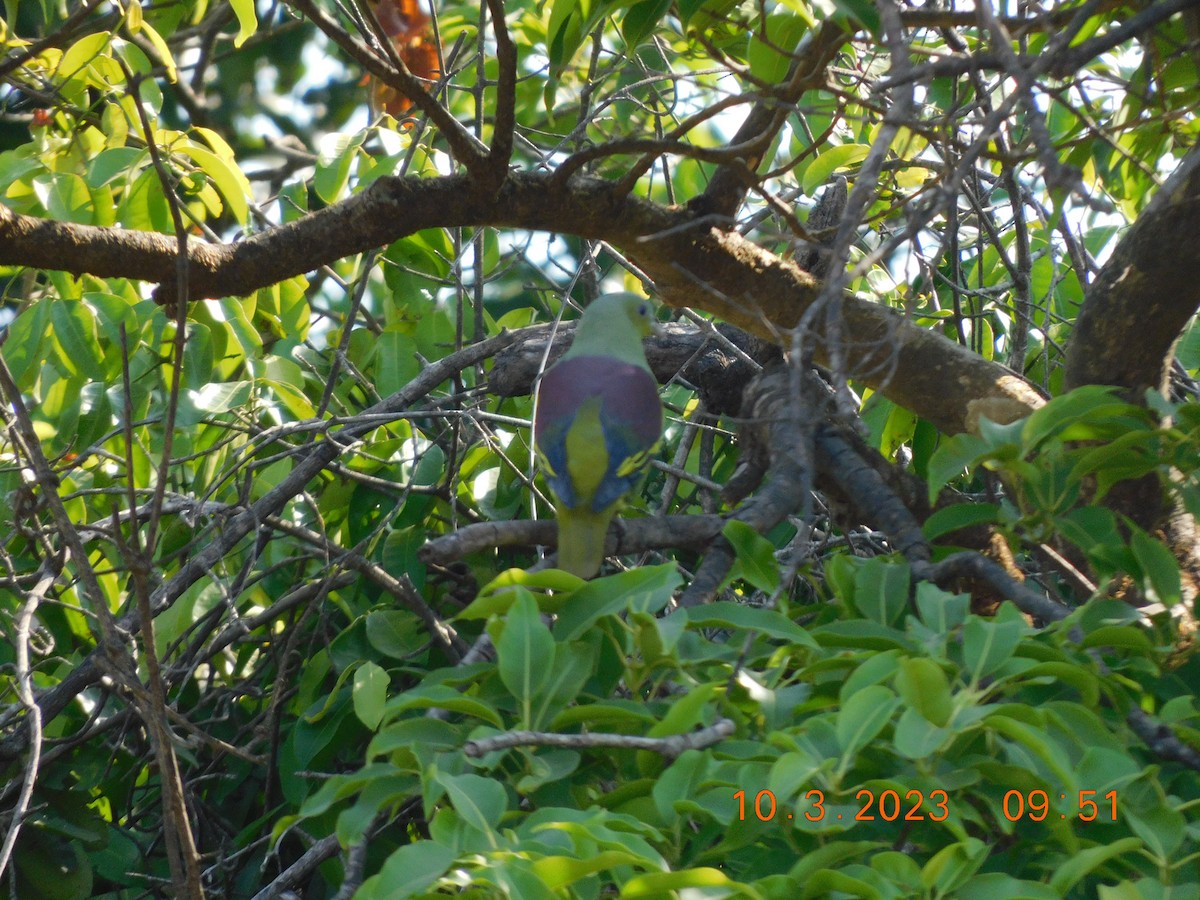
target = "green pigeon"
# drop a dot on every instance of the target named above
(597, 422)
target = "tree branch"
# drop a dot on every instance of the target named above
(625, 537)
(1144, 296)
(669, 747)
(693, 264)
(506, 94)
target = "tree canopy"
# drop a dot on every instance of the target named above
(906, 606)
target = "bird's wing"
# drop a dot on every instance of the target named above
(598, 421)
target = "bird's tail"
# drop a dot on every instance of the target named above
(581, 537)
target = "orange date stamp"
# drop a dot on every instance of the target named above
(933, 806)
(886, 805)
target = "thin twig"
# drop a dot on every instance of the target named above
(668, 747)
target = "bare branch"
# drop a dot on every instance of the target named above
(668, 747)
(506, 93)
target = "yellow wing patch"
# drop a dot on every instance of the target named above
(637, 461)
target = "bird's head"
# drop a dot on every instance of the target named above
(614, 325)
(615, 310)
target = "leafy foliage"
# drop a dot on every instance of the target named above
(265, 471)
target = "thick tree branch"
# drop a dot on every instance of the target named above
(692, 262)
(708, 360)
(1145, 294)
(625, 537)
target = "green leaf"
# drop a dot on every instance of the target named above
(988, 643)
(226, 176)
(1040, 744)
(828, 883)
(27, 335)
(1160, 570)
(951, 866)
(724, 614)
(682, 780)
(524, 649)
(424, 733)
(833, 160)
(876, 668)
(313, 735)
(561, 12)
(998, 886)
(570, 22)
(644, 589)
(686, 712)
(755, 554)
(49, 865)
(81, 54)
(1161, 828)
(396, 362)
(949, 519)
(247, 20)
(401, 556)
(881, 589)
(69, 199)
(660, 884)
(408, 871)
(941, 610)
(570, 668)
(899, 426)
(1091, 528)
(548, 767)
(370, 694)
(335, 155)
(916, 737)
(395, 632)
(160, 46)
(832, 854)
(640, 19)
(339, 787)
(862, 12)
(559, 871)
(1125, 637)
(1062, 411)
(770, 63)
(924, 687)
(480, 801)
(15, 165)
(1077, 676)
(497, 595)
(793, 772)
(354, 822)
(1072, 870)
(953, 455)
(73, 330)
(220, 398)
(286, 378)
(440, 696)
(863, 716)
(612, 716)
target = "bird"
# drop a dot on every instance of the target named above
(597, 421)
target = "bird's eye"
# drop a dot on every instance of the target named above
(643, 310)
